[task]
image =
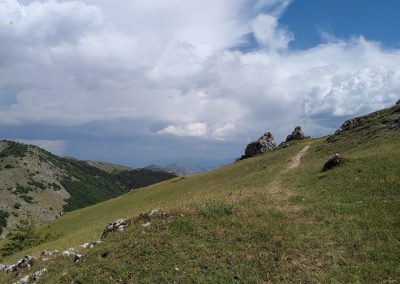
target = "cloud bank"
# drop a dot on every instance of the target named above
(177, 68)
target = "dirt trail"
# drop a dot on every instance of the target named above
(279, 192)
(296, 160)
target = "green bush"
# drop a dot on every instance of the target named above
(17, 205)
(37, 184)
(22, 189)
(23, 236)
(3, 220)
(14, 149)
(27, 198)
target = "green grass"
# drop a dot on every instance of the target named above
(228, 184)
(253, 221)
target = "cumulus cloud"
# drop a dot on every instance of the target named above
(268, 33)
(200, 129)
(193, 129)
(175, 67)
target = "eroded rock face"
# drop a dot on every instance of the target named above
(297, 134)
(264, 144)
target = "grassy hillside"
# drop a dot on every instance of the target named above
(37, 184)
(269, 219)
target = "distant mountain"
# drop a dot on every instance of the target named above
(182, 169)
(109, 167)
(38, 184)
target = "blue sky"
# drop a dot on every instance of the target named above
(156, 81)
(373, 19)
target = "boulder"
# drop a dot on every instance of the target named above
(78, 258)
(4, 267)
(68, 253)
(264, 144)
(335, 161)
(89, 245)
(24, 280)
(38, 274)
(118, 225)
(25, 262)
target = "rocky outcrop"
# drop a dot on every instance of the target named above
(398, 102)
(264, 144)
(34, 277)
(89, 245)
(348, 124)
(69, 252)
(297, 134)
(335, 161)
(118, 225)
(38, 274)
(25, 262)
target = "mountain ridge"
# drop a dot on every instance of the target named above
(37, 184)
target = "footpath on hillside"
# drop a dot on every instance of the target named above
(278, 191)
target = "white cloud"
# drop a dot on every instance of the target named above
(268, 33)
(193, 129)
(67, 63)
(200, 129)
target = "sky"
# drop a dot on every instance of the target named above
(162, 81)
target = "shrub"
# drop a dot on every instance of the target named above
(17, 205)
(24, 235)
(22, 189)
(3, 220)
(27, 198)
(37, 184)
(14, 149)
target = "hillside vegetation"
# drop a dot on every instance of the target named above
(38, 185)
(276, 218)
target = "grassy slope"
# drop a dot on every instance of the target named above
(254, 221)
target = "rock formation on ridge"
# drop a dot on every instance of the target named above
(264, 144)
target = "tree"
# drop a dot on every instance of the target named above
(22, 236)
